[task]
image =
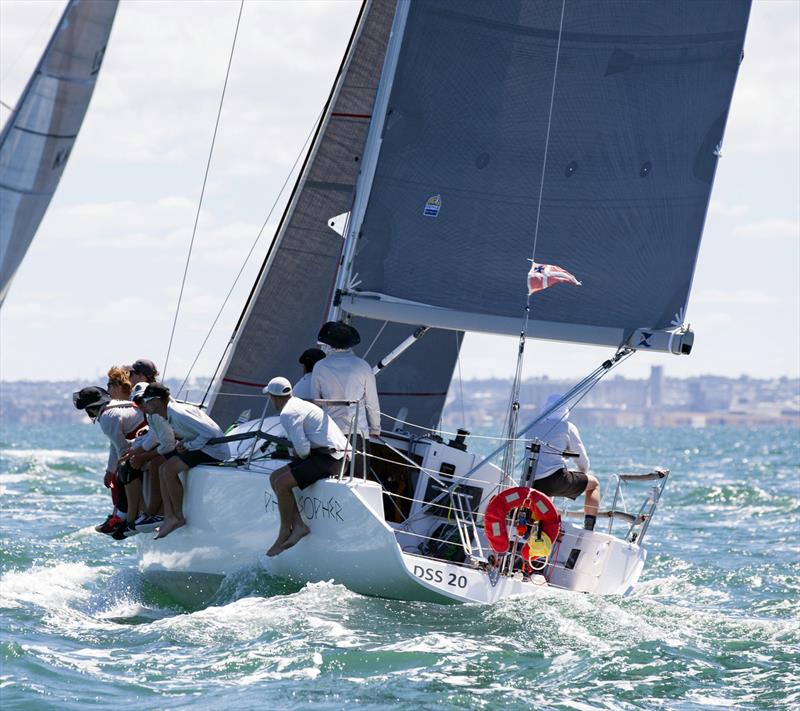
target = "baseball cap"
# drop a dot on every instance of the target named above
(143, 367)
(155, 390)
(278, 386)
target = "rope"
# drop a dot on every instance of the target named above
(513, 418)
(374, 340)
(202, 191)
(460, 382)
(250, 254)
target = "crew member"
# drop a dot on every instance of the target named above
(142, 371)
(308, 359)
(145, 456)
(320, 447)
(552, 477)
(342, 375)
(194, 428)
(120, 421)
(128, 476)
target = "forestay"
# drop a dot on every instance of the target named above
(38, 137)
(292, 295)
(642, 92)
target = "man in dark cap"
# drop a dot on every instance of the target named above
(309, 358)
(194, 428)
(342, 375)
(142, 371)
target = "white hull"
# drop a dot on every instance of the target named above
(233, 518)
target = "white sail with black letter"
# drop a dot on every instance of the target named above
(38, 137)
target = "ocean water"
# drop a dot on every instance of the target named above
(713, 624)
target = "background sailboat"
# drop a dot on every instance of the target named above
(37, 139)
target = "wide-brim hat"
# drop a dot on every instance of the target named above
(339, 335)
(91, 396)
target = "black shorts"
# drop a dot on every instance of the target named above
(315, 466)
(563, 483)
(193, 458)
(126, 473)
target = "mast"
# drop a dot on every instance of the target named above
(371, 153)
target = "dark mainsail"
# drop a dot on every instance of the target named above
(37, 139)
(642, 93)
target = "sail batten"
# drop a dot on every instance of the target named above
(37, 139)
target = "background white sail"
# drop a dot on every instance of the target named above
(641, 97)
(37, 139)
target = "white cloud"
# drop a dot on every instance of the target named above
(765, 113)
(768, 228)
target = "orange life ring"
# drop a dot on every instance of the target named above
(541, 508)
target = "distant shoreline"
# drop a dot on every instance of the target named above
(657, 401)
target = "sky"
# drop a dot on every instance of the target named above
(100, 283)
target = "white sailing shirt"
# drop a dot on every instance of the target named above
(195, 428)
(163, 433)
(558, 436)
(302, 388)
(119, 421)
(342, 375)
(309, 427)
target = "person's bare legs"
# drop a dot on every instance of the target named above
(172, 492)
(155, 501)
(592, 494)
(292, 528)
(591, 502)
(133, 490)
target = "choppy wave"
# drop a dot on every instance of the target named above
(714, 623)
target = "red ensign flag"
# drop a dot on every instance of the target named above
(543, 275)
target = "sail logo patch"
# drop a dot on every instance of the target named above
(432, 206)
(644, 340)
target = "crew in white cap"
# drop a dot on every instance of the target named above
(320, 448)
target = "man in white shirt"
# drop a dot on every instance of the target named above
(194, 429)
(552, 477)
(320, 447)
(309, 358)
(345, 376)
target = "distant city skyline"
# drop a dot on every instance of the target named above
(83, 299)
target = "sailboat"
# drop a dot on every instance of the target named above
(38, 137)
(460, 142)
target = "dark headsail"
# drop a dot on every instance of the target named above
(291, 298)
